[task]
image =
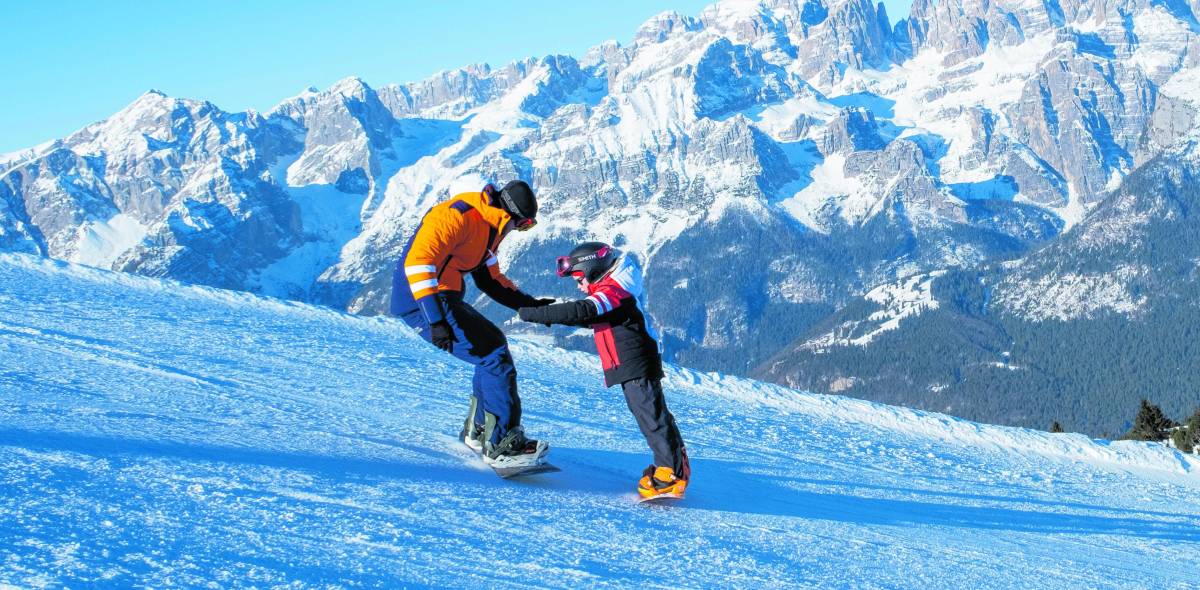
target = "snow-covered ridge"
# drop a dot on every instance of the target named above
(917, 423)
(904, 299)
(901, 300)
(161, 434)
(85, 277)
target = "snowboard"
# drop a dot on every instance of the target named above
(511, 472)
(660, 499)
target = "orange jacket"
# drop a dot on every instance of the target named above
(458, 237)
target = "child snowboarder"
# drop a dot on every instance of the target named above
(629, 352)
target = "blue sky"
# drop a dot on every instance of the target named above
(70, 63)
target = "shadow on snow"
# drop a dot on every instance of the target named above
(718, 486)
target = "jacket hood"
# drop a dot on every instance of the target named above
(627, 273)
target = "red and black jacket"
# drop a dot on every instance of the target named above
(628, 349)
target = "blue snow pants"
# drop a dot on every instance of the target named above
(480, 343)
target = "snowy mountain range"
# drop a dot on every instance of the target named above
(159, 434)
(1077, 331)
(773, 161)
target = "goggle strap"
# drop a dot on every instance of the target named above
(512, 206)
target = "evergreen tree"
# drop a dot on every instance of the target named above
(1182, 439)
(1055, 426)
(1188, 437)
(1150, 423)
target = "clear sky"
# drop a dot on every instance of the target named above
(69, 63)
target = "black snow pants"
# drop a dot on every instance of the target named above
(649, 407)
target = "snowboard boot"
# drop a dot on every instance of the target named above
(472, 433)
(661, 481)
(472, 436)
(514, 450)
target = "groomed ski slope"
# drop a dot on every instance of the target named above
(155, 434)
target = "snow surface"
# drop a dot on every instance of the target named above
(1182, 85)
(1163, 36)
(906, 298)
(830, 189)
(100, 243)
(11, 158)
(156, 434)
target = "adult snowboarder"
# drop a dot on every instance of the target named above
(629, 352)
(454, 239)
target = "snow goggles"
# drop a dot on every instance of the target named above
(524, 224)
(564, 264)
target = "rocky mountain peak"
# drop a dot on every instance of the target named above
(351, 86)
(854, 129)
(658, 28)
(844, 34)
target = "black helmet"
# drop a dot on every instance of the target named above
(589, 260)
(518, 200)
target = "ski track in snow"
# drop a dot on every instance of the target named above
(164, 435)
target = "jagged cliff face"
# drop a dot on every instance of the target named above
(769, 159)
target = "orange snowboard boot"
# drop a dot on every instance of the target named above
(661, 482)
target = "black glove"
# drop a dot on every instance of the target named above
(530, 314)
(442, 335)
(544, 301)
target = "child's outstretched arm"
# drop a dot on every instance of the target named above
(571, 313)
